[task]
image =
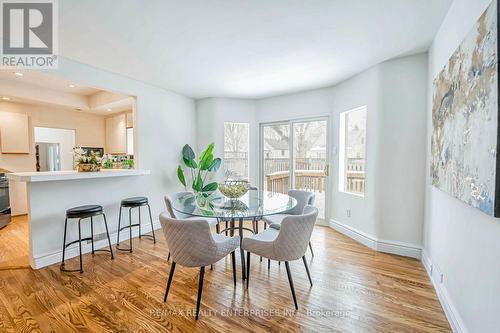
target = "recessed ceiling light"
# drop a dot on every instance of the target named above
(78, 109)
(18, 74)
(5, 98)
(71, 85)
(108, 109)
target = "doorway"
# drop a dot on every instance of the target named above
(295, 154)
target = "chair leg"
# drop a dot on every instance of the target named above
(140, 233)
(169, 282)
(130, 228)
(119, 223)
(248, 267)
(152, 228)
(64, 241)
(233, 262)
(168, 256)
(107, 234)
(291, 284)
(307, 270)
(211, 267)
(226, 227)
(268, 264)
(80, 244)
(311, 248)
(200, 289)
(92, 232)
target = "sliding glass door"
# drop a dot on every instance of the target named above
(294, 154)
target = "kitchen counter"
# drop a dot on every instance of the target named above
(50, 194)
(45, 176)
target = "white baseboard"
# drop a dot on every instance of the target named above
(399, 248)
(49, 258)
(451, 312)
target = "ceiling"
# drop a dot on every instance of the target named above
(47, 81)
(36, 87)
(244, 48)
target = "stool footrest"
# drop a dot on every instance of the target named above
(123, 249)
(129, 226)
(76, 241)
(62, 269)
(103, 250)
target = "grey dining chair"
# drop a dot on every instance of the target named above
(191, 244)
(303, 198)
(177, 215)
(285, 244)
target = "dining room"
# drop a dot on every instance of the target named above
(249, 166)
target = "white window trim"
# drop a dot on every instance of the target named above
(342, 153)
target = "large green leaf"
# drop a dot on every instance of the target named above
(198, 183)
(210, 187)
(214, 166)
(190, 163)
(188, 153)
(207, 157)
(180, 175)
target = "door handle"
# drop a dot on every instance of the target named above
(327, 170)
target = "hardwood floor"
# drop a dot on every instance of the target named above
(14, 248)
(355, 290)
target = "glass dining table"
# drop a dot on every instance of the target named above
(252, 206)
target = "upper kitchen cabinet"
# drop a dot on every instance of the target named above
(14, 133)
(116, 134)
(130, 119)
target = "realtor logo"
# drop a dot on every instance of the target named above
(29, 34)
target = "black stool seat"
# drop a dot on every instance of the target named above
(83, 211)
(132, 203)
(135, 201)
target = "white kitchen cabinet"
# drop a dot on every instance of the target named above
(116, 134)
(14, 133)
(130, 119)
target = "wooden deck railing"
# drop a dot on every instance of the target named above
(309, 180)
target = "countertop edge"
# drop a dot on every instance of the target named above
(34, 177)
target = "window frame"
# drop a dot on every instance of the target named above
(343, 139)
(247, 125)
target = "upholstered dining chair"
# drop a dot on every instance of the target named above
(177, 215)
(193, 245)
(303, 198)
(285, 244)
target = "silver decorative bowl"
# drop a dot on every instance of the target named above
(234, 189)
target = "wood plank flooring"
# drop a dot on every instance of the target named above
(14, 247)
(355, 290)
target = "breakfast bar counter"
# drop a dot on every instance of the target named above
(50, 194)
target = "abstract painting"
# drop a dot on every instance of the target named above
(464, 161)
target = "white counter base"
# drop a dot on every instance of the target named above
(50, 194)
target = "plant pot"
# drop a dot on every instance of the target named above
(84, 167)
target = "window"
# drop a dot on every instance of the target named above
(236, 139)
(130, 141)
(352, 157)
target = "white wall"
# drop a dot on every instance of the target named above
(461, 243)
(211, 113)
(394, 91)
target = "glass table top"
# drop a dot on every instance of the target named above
(253, 204)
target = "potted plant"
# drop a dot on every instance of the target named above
(199, 169)
(87, 162)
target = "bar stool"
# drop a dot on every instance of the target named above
(80, 213)
(135, 202)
